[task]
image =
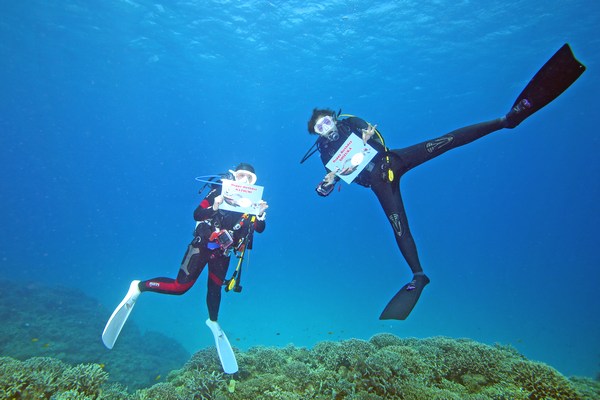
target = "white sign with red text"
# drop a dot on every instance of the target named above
(241, 197)
(351, 158)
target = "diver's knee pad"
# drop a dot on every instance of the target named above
(191, 251)
(396, 224)
(438, 144)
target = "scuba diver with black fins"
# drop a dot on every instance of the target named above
(382, 174)
(218, 234)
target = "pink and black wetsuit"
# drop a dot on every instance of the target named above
(200, 252)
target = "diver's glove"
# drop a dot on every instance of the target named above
(262, 214)
(368, 133)
(217, 202)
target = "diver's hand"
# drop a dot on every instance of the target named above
(329, 179)
(368, 133)
(217, 202)
(262, 206)
(327, 184)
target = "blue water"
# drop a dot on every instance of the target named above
(108, 110)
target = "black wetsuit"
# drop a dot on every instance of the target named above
(202, 251)
(400, 161)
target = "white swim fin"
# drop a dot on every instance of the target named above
(119, 316)
(228, 361)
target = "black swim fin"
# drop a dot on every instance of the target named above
(405, 300)
(559, 72)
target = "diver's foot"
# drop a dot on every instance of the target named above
(419, 281)
(132, 294)
(517, 114)
(214, 327)
(401, 305)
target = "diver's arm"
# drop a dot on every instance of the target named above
(367, 132)
(206, 210)
(357, 123)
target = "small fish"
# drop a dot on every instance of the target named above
(157, 377)
(35, 340)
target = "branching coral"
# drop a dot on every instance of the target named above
(385, 367)
(385, 339)
(205, 358)
(350, 354)
(43, 377)
(162, 391)
(12, 378)
(85, 378)
(64, 323)
(266, 359)
(542, 382)
(388, 367)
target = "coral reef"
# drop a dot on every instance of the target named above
(385, 367)
(63, 323)
(45, 377)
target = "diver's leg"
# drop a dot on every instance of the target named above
(388, 194)
(193, 263)
(419, 153)
(217, 269)
(401, 305)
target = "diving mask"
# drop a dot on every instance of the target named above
(325, 126)
(243, 176)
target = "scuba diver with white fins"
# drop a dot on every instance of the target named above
(218, 234)
(383, 171)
